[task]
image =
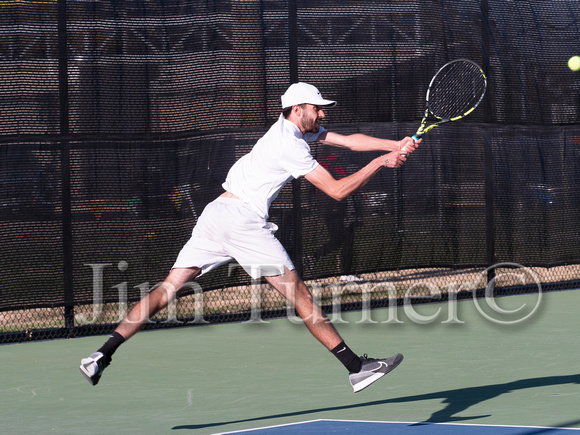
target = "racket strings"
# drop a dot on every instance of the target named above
(456, 89)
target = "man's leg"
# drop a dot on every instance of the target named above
(363, 371)
(293, 288)
(156, 301)
(93, 366)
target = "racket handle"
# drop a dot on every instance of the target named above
(415, 138)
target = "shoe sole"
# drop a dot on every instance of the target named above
(368, 381)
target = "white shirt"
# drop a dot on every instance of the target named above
(279, 156)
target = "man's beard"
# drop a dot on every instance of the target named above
(311, 125)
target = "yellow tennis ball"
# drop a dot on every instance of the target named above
(574, 63)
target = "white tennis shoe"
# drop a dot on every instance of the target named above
(372, 370)
(93, 366)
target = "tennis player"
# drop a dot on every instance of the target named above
(234, 226)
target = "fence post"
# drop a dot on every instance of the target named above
(296, 184)
(67, 242)
(488, 152)
(489, 206)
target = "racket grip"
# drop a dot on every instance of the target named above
(415, 138)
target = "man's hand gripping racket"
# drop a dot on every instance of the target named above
(454, 92)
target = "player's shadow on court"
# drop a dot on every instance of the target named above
(457, 401)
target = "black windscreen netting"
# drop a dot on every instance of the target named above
(120, 120)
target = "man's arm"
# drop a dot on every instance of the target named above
(341, 189)
(363, 142)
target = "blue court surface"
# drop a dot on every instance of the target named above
(319, 427)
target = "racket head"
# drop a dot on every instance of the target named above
(456, 89)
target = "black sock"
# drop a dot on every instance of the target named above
(347, 357)
(109, 348)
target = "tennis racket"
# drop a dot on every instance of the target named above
(454, 92)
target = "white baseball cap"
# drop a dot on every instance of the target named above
(303, 93)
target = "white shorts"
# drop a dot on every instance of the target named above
(227, 229)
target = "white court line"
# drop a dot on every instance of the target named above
(398, 422)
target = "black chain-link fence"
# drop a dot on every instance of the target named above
(119, 121)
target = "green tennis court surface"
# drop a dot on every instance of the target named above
(234, 377)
